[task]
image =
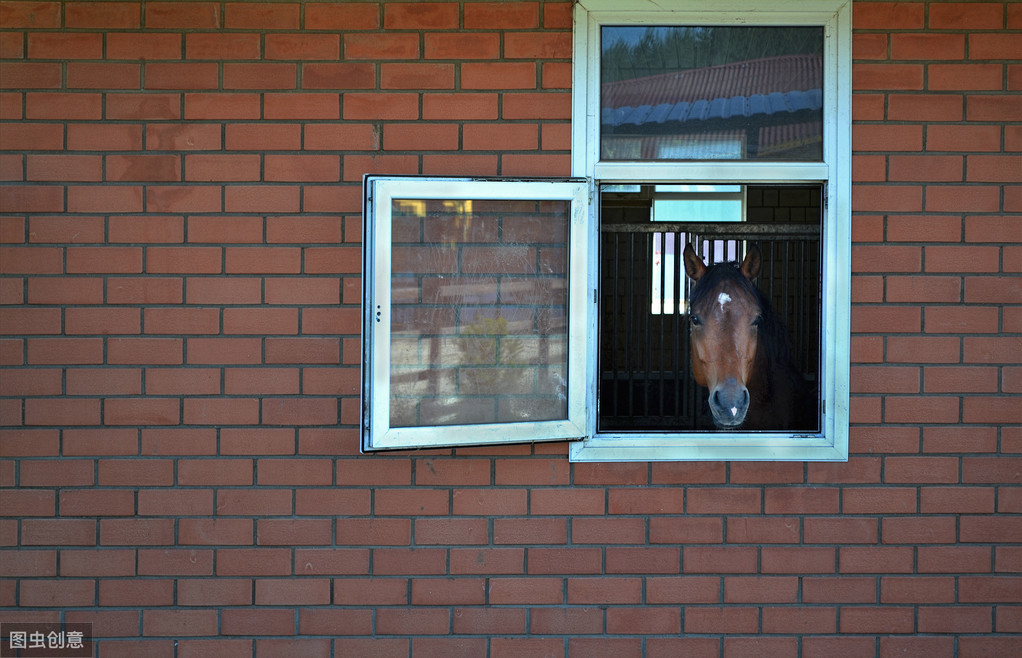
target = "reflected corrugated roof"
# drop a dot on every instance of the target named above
(789, 83)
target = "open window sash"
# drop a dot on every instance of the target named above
(475, 322)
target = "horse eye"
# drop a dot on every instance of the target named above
(696, 320)
(758, 321)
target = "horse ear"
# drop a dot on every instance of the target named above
(694, 265)
(751, 264)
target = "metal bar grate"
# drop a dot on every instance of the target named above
(645, 381)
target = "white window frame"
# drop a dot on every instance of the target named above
(380, 192)
(834, 173)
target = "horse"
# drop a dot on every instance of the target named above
(741, 350)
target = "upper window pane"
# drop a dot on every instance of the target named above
(711, 93)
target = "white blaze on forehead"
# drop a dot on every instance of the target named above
(722, 299)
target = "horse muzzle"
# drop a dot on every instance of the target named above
(729, 402)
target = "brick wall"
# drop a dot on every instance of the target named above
(179, 338)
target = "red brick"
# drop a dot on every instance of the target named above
(325, 16)
(960, 380)
(417, 16)
(136, 472)
(150, 290)
(993, 108)
(963, 138)
(993, 168)
(375, 46)
(310, 168)
(28, 503)
(222, 167)
(537, 45)
(869, 46)
(65, 45)
(231, 105)
(842, 589)
(98, 443)
(416, 76)
(247, 381)
(966, 16)
(143, 106)
(183, 198)
(225, 230)
(295, 472)
(392, 532)
(301, 106)
(382, 106)
(463, 46)
(537, 106)
(604, 590)
(136, 532)
(32, 15)
(220, 592)
(31, 260)
(925, 168)
(63, 168)
(994, 45)
(301, 291)
(882, 198)
(494, 15)
(43, 229)
(424, 502)
(900, 77)
(607, 531)
(467, 165)
(224, 351)
(183, 15)
(645, 501)
(156, 502)
(175, 441)
(257, 441)
(418, 136)
(721, 620)
(25, 321)
(219, 290)
(304, 591)
(59, 532)
(988, 349)
(405, 621)
(56, 593)
(465, 106)
(223, 472)
(143, 45)
(263, 198)
(925, 107)
(927, 46)
(214, 532)
(302, 47)
(253, 621)
(15, 198)
(337, 75)
(402, 561)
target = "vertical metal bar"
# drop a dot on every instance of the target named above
(629, 319)
(677, 298)
(645, 304)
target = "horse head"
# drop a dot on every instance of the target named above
(725, 316)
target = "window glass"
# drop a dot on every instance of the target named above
(479, 294)
(646, 358)
(474, 311)
(711, 93)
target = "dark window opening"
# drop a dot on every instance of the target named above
(645, 381)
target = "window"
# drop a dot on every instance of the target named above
(509, 310)
(475, 311)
